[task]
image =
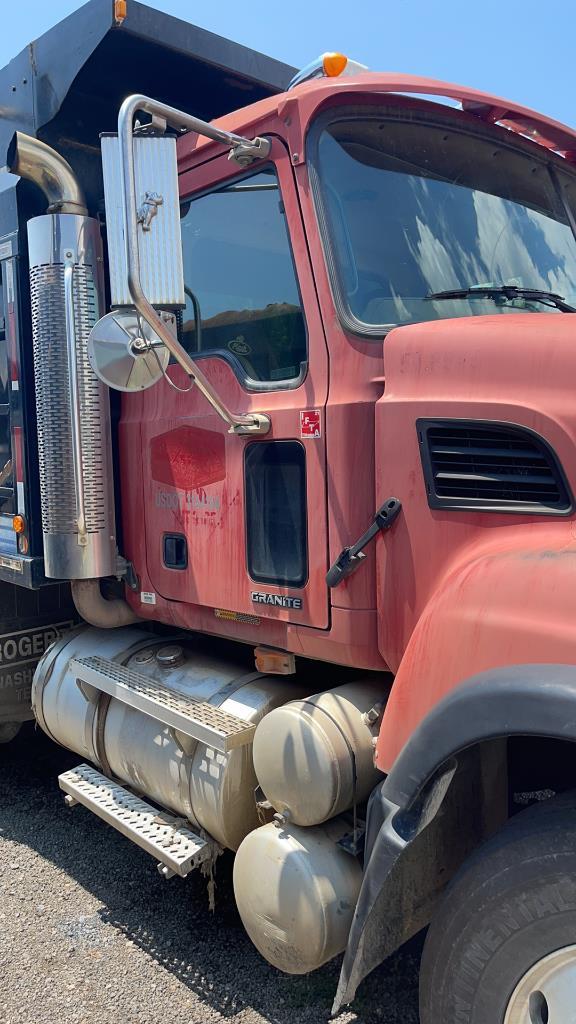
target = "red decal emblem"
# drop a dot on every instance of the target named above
(310, 423)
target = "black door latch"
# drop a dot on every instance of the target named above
(351, 558)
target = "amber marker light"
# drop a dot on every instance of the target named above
(329, 65)
(18, 524)
(272, 662)
(119, 11)
(334, 64)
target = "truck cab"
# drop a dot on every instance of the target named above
(372, 212)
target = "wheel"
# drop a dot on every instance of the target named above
(501, 948)
(9, 730)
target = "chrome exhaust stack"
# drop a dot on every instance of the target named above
(72, 405)
(37, 162)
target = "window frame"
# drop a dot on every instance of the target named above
(439, 119)
(276, 581)
(249, 383)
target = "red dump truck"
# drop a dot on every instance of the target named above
(306, 452)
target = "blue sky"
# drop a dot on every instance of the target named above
(520, 49)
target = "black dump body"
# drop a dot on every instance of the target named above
(66, 88)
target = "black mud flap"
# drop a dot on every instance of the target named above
(390, 832)
(29, 622)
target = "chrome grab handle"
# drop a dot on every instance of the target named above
(74, 398)
(245, 151)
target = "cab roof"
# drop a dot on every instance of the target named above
(297, 106)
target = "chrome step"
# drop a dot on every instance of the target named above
(187, 715)
(178, 849)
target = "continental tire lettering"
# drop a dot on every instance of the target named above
(276, 600)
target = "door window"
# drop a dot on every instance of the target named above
(275, 475)
(242, 297)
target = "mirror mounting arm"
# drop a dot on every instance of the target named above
(243, 151)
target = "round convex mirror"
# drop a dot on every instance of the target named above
(125, 353)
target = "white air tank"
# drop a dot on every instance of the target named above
(315, 757)
(296, 892)
(215, 791)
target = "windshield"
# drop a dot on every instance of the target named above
(413, 208)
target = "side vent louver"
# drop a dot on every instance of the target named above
(486, 466)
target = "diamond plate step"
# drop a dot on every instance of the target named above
(178, 849)
(192, 717)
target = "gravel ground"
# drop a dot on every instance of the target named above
(91, 934)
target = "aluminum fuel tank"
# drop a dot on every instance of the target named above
(215, 791)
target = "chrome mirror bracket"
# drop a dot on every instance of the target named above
(245, 150)
(245, 153)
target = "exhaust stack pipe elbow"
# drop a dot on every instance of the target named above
(99, 611)
(39, 163)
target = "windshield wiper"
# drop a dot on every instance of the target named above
(505, 292)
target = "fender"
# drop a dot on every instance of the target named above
(528, 700)
(511, 603)
(461, 591)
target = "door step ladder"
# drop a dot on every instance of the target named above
(177, 848)
(193, 718)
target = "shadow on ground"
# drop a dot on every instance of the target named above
(170, 921)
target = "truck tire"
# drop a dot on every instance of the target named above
(501, 948)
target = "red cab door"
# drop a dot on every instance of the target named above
(238, 522)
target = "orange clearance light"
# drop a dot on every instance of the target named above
(271, 662)
(18, 524)
(329, 65)
(119, 11)
(334, 64)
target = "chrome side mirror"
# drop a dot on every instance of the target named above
(158, 220)
(147, 244)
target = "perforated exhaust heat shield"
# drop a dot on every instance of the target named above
(73, 411)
